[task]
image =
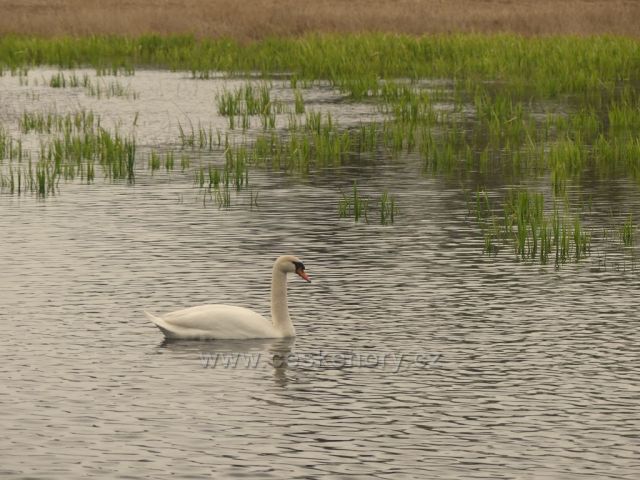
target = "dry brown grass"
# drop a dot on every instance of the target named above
(255, 19)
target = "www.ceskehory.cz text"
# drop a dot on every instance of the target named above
(392, 361)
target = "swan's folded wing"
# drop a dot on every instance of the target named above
(219, 321)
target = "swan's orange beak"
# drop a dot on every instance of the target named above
(303, 275)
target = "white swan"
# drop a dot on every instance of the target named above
(229, 322)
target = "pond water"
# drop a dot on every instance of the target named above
(416, 357)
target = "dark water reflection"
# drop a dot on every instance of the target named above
(525, 371)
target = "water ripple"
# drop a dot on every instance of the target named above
(533, 373)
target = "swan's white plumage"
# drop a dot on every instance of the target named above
(231, 322)
(214, 321)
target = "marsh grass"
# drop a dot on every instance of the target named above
(247, 101)
(157, 161)
(299, 107)
(217, 181)
(388, 208)
(101, 89)
(627, 232)
(359, 207)
(354, 205)
(204, 138)
(356, 63)
(223, 197)
(535, 232)
(93, 88)
(318, 143)
(51, 122)
(503, 136)
(75, 144)
(557, 110)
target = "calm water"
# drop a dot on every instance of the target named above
(509, 370)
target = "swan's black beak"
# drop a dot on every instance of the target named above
(303, 275)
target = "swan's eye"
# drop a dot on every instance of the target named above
(298, 265)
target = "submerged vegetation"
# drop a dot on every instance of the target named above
(545, 115)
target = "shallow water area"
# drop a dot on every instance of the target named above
(416, 355)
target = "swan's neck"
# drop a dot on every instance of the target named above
(279, 308)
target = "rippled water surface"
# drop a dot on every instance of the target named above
(509, 370)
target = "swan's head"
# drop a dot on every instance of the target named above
(292, 264)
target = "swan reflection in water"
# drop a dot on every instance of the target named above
(259, 355)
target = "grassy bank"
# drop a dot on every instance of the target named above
(258, 19)
(549, 65)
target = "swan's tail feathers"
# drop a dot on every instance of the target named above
(160, 323)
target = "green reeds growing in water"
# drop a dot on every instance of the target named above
(9, 147)
(359, 207)
(99, 89)
(203, 139)
(626, 232)
(571, 64)
(318, 144)
(218, 181)
(216, 184)
(388, 208)
(298, 102)
(354, 205)
(533, 233)
(110, 89)
(58, 81)
(491, 117)
(41, 179)
(223, 197)
(156, 161)
(236, 167)
(72, 153)
(116, 155)
(77, 122)
(248, 100)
